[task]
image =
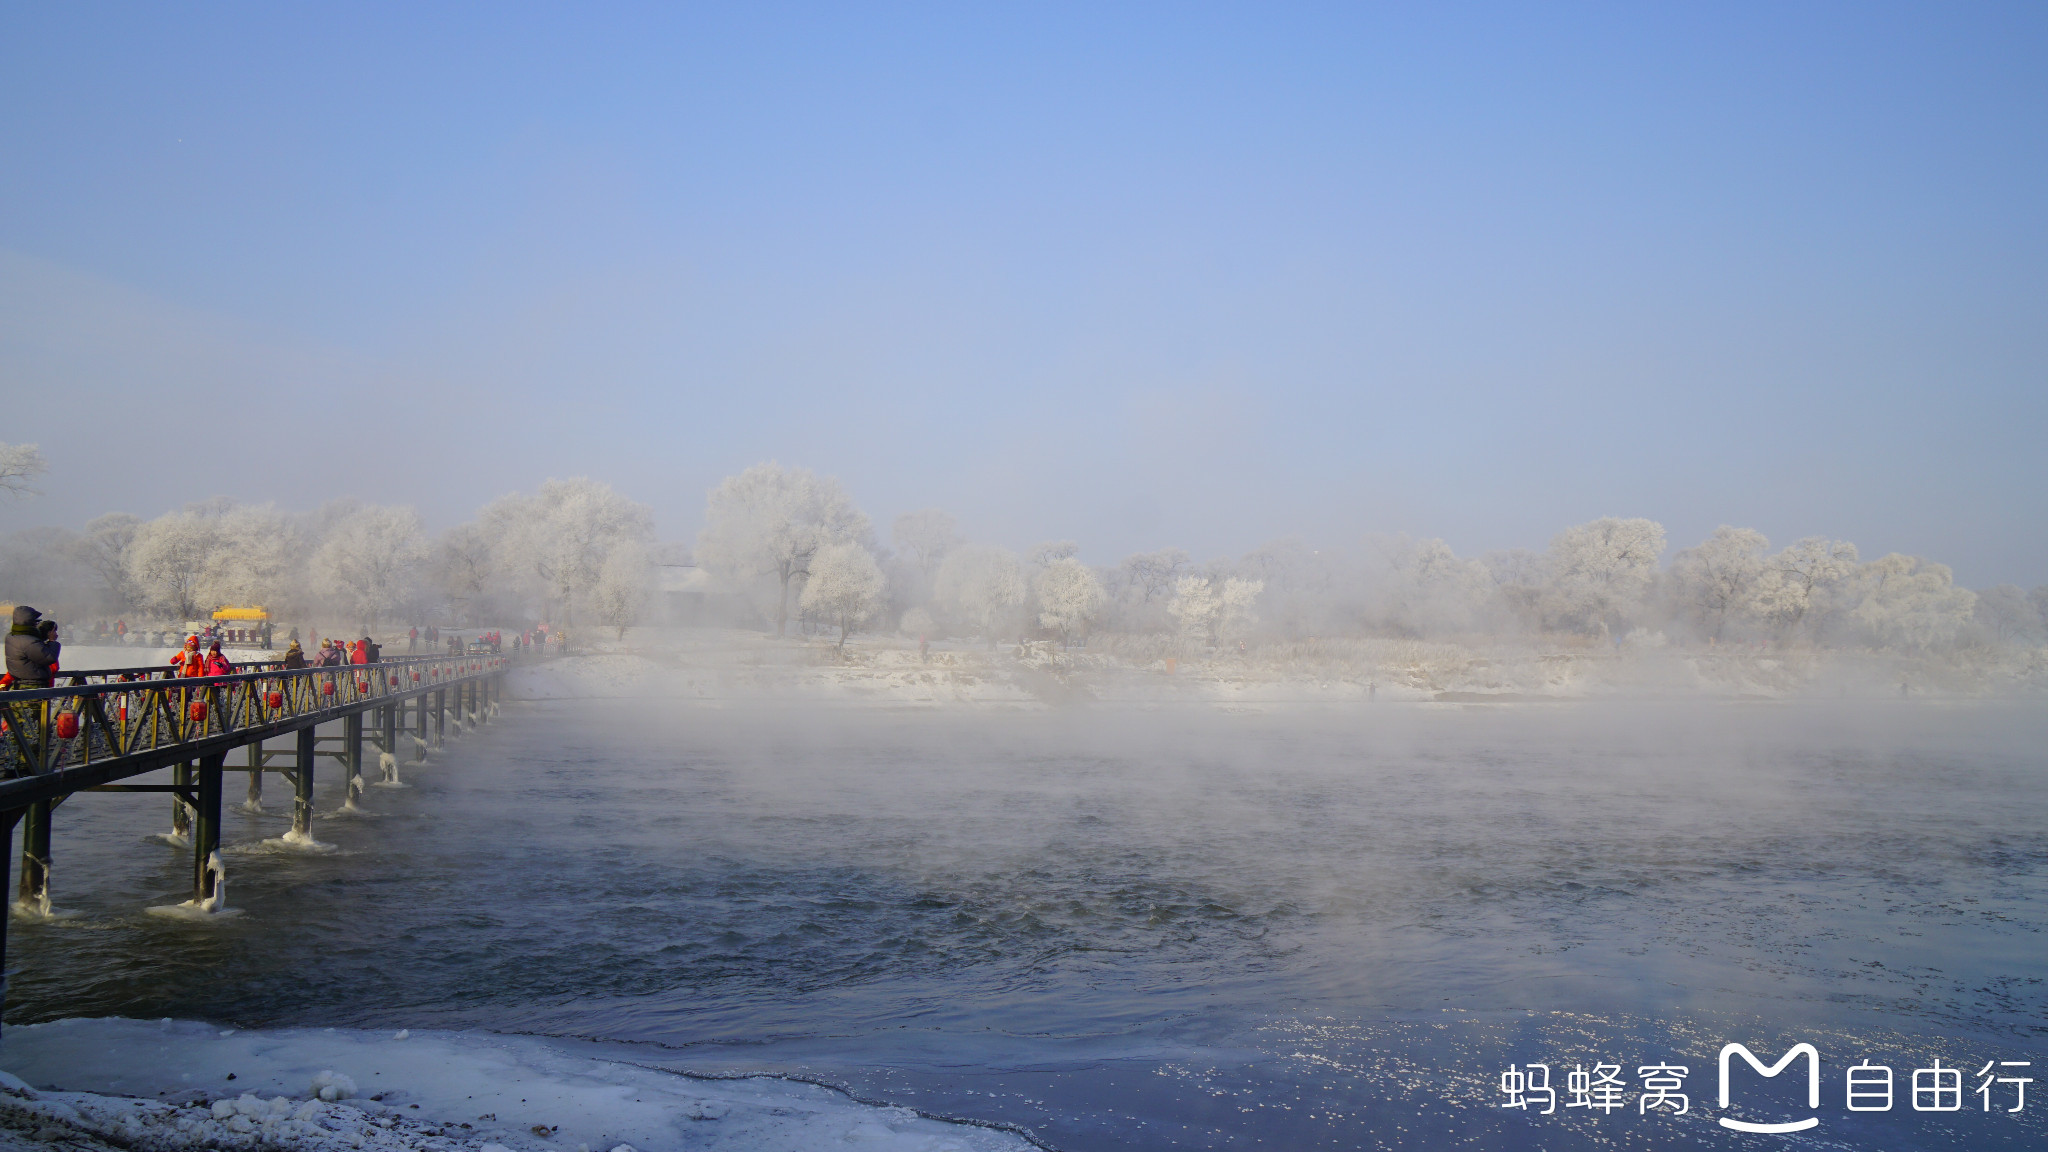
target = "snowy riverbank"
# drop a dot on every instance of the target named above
(712, 667)
(158, 1086)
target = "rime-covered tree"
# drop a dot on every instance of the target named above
(167, 560)
(1908, 602)
(556, 540)
(1600, 571)
(370, 560)
(2007, 616)
(981, 586)
(927, 535)
(769, 521)
(1426, 589)
(1052, 552)
(1069, 595)
(623, 586)
(256, 559)
(1800, 584)
(1715, 581)
(844, 587)
(465, 566)
(1149, 576)
(20, 464)
(104, 549)
(1212, 609)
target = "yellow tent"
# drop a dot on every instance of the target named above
(241, 614)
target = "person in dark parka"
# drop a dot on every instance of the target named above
(28, 659)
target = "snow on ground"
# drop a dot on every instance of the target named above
(168, 1085)
(714, 665)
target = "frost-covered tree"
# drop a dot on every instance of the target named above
(38, 566)
(769, 521)
(1422, 588)
(465, 567)
(167, 561)
(623, 586)
(103, 548)
(845, 587)
(1052, 552)
(1715, 581)
(1211, 609)
(555, 541)
(927, 535)
(370, 560)
(20, 464)
(1800, 584)
(982, 586)
(2007, 616)
(1519, 580)
(1069, 595)
(256, 559)
(1600, 571)
(1150, 576)
(1908, 602)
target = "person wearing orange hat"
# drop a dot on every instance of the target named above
(188, 660)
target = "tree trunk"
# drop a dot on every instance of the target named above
(782, 607)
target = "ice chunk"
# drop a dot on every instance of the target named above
(330, 1086)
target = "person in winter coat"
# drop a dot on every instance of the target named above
(216, 663)
(359, 652)
(373, 652)
(295, 656)
(29, 660)
(189, 661)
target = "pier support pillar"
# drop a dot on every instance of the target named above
(419, 719)
(35, 854)
(440, 716)
(255, 801)
(7, 822)
(206, 831)
(181, 812)
(352, 755)
(390, 718)
(302, 783)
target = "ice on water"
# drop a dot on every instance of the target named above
(340, 1088)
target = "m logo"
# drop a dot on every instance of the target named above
(1784, 1062)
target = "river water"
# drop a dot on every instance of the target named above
(1164, 928)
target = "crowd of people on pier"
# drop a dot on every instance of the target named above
(33, 648)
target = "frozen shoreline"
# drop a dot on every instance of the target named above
(714, 669)
(166, 1085)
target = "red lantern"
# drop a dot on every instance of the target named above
(198, 711)
(328, 688)
(274, 699)
(67, 725)
(362, 686)
(415, 677)
(394, 680)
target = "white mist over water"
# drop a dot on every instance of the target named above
(1115, 927)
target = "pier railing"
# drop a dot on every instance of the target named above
(99, 717)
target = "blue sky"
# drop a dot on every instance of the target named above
(1134, 275)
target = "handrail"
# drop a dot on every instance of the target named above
(162, 712)
(168, 670)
